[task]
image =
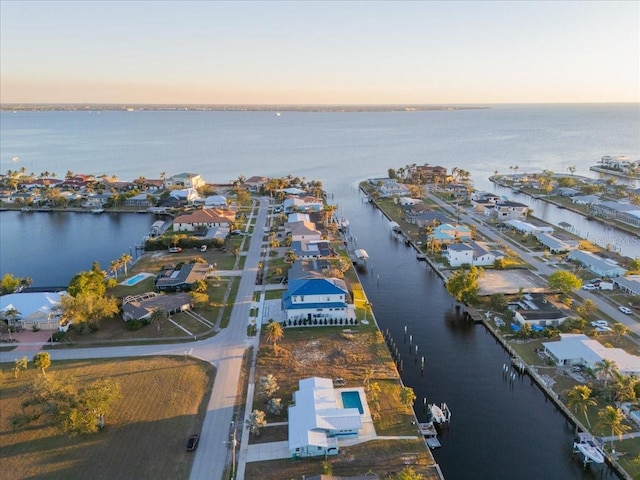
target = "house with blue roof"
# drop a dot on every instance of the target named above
(447, 233)
(317, 299)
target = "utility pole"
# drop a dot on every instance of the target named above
(233, 452)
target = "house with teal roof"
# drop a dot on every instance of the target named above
(447, 233)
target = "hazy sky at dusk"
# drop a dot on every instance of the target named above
(324, 52)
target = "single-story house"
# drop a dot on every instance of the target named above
(255, 183)
(303, 231)
(536, 309)
(447, 233)
(302, 204)
(204, 218)
(528, 228)
(428, 218)
(319, 416)
(557, 244)
(312, 248)
(215, 201)
(140, 200)
(567, 192)
(579, 349)
(188, 195)
(597, 265)
(176, 280)
(629, 285)
(316, 299)
(139, 307)
(585, 199)
(29, 310)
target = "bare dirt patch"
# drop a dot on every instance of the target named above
(510, 281)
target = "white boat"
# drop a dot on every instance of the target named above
(277, 114)
(97, 210)
(589, 448)
(438, 414)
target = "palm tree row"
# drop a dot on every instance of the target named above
(122, 262)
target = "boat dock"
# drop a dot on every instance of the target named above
(430, 435)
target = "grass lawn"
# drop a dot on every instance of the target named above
(340, 352)
(163, 401)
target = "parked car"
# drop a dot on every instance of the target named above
(594, 281)
(603, 329)
(599, 323)
(589, 286)
(175, 249)
(192, 442)
(625, 310)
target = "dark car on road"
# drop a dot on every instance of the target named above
(192, 442)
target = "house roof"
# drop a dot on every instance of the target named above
(30, 304)
(594, 262)
(459, 247)
(581, 347)
(187, 275)
(146, 304)
(207, 215)
(317, 286)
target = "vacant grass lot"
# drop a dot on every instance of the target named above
(348, 353)
(163, 401)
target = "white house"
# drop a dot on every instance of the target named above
(204, 218)
(303, 231)
(391, 188)
(186, 180)
(186, 194)
(557, 244)
(579, 349)
(585, 199)
(302, 204)
(28, 310)
(319, 416)
(471, 253)
(215, 201)
(536, 309)
(316, 299)
(599, 266)
(506, 210)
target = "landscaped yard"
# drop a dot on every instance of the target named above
(163, 401)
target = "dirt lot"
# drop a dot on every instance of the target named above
(510, 281)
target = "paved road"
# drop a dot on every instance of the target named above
(543, 268)
(224, 351)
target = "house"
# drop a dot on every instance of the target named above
(316, 299)
(428, 174)
(629, 285)
(567, 192)
(507, 210)
(185, 180)
(586, 199)
(319, 417)
(185, 194)
(204, 218)
(29, 310)
(597, 265)
(472, 253)
(447, 233)
(255, 183)
(536, 309)
(140, 200)
(480, 196)
(97, 200)
(621, 211)
(305, 249)
(428, 218)
(215, 201)
(302, 204)
(303, 231)
(298, 217)
(579, 349)
(141, 307)
(528, 228)
(391, 188)
(556, 244)
(183, 278)
(404, 201)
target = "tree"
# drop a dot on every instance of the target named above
(9, 284)
(498, 302)
(199, 286)
(268, 386)
(624, 388)
(256, 421)
(606, 369)
(463, 284)
(158, 315)
(275, 406)
(19, 364)
(407, 396)
(290, 256)
(613, 418)
(564, 281)
(125, 259)
(408, 473)
(275, 333)
(114, 266)
(42, 360)
(579, 400)
(86, 309)
(588, 308)
(620, 330)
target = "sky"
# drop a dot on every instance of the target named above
(303, 52)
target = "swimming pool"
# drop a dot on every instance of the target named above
(135, 279)
(351, 399)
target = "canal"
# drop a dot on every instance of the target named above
(499, 429)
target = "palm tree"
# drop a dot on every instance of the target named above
(407, 396)
(274, 333)
(256, 421)
(579, 399)
(125, 258)
(606, 368)
(612, 418)
(624, 388)
(114, 266)
(620, 330)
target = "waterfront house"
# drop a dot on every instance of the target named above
(427, 218)
(316, 300)
(579, 349)
(597, 265)
(181, 279)
(319, 416)
(215, 201)
(428, 174)
(97, 200)
(305, 249)
(538, 310)
(298, 217)
(528, 228)
(187, 195)
(485, 197)
(586, 199)
(185, 180)
(140, 200)
(255, 183)
(472, 253)
(506, 210)
(556, 244)
(141, 307)
(447, 233)
(204, 218)
(393, 188)
(567, 192)
(622, 211)
(32, 310)
(302, 204)
(303, 231)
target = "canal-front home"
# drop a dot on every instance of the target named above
(597, 265)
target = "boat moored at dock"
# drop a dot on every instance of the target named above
(589, 448)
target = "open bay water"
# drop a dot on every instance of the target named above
(498, 431)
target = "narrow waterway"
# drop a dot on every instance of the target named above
(499, 429)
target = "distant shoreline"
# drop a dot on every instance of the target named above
(231, 108)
